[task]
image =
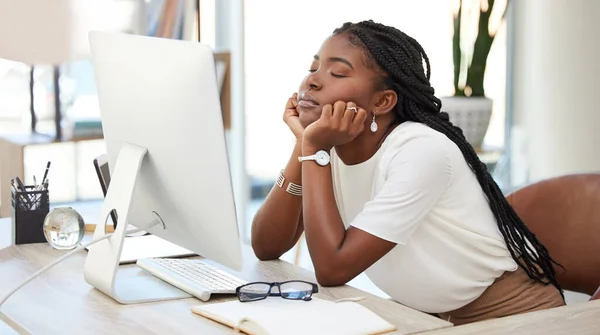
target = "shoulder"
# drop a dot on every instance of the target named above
(416, 141)
(410, 131)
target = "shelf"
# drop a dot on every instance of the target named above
(12, 159)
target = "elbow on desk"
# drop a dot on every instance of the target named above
(269, 249)
(330, 278)
(264, 252)
(266, 256)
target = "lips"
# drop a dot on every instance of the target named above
(307, 103)
(306, 100)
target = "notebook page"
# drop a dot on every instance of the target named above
(280, 316)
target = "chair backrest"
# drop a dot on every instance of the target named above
(564, 214)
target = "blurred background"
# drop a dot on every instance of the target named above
(533, 117)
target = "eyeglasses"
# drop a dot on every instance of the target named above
(292, 290)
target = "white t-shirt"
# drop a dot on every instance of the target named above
(419, 192)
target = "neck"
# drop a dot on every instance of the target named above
(364, 146)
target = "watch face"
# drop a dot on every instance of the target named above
(322, 157)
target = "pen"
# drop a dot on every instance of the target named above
(21, 185)
(15, 189)
(46, 172)
(24, 196)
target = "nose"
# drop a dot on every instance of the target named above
(313, 81)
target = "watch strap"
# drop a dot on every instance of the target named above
(307, 158)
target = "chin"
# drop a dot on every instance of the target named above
(306, 120)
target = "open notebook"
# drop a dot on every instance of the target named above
(274, 316)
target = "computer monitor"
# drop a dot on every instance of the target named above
(167, 155)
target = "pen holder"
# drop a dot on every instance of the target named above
(29, 209)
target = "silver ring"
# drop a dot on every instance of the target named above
(352, 108)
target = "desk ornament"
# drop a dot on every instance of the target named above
(64, 228)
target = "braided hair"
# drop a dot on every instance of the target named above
(399, 60)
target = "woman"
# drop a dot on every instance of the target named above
(380, 181)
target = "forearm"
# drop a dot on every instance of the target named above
(324, 228)
(276, 226)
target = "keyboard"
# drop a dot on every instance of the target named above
(194, 276)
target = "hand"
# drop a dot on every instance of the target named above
(338, 124)
(290, 117)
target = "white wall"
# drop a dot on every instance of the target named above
(556, 86)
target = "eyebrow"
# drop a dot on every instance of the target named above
(337, 59)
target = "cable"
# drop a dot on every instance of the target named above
(60, 259)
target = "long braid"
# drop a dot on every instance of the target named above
(401, 58)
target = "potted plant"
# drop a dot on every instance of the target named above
(469, 108)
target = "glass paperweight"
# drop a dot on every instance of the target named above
(64, 228)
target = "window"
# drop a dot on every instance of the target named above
(280, 46)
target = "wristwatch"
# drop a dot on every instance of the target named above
(321, 157)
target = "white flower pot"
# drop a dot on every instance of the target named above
(471, 114)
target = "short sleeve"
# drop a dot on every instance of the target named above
(416, 174)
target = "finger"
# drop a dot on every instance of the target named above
(351, 106)
(349, 113)
(358, 124)
(360, 117)
(290, 104)
(295, 99)
(290, 112)
(338, 109)
(327, 112)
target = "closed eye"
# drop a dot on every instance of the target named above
(332, 74)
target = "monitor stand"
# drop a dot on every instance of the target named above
(129, 284)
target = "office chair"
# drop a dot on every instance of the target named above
(564, 214)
